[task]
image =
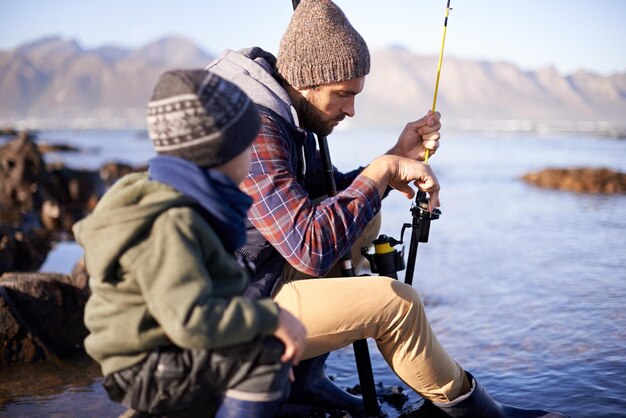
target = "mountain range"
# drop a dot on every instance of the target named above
(53, 82)
(56, 81)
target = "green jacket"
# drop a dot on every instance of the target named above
(159, 275)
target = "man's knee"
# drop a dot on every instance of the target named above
(388, 287)
(405, 291)
(403, 298)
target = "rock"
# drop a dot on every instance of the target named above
(112, 172)
(585, 180)
(77, 192)
(422, 409)
(39, 204)
(393, 395)
(24, 194)
(41, 316)
(46, 148)
(17, 344)
(80, 276)
(29, 185)
(23, 175)
(23, 248)
(6, 131)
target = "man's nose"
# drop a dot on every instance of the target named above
(348, 107)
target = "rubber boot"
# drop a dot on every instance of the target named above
(313, 389)
(237, 408)
(478, 404)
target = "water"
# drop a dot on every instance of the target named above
(525, 287)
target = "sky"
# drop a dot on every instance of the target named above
(566, 34)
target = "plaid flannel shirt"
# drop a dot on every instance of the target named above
(311, 237)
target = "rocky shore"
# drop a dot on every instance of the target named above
(41, 314)
(39, 203)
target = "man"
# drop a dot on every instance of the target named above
(167, 320)
(297, 235)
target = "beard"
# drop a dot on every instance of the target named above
(314, 120)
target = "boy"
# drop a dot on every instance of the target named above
(167, 321)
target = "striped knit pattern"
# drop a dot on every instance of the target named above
(201, 117)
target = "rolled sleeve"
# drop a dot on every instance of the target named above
(311, 237)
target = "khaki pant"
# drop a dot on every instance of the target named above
(339, 311)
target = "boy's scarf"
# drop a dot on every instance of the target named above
(225, 204)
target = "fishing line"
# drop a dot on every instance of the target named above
(443, 42)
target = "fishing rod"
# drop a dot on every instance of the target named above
(361, 350)
(422, 216)
(387, 260)
(443, 42)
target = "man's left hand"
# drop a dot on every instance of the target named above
(418, 136)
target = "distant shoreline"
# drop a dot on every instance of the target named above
(606, 129)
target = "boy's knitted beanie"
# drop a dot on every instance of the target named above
(199, 116)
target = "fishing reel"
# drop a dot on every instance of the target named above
(421, 217)
(387, 260)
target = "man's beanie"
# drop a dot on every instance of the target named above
(320, 46)
(199, 116)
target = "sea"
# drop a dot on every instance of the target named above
(525, 287)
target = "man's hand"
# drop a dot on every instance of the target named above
(398, 172)
(293, 334)
(417, 137)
